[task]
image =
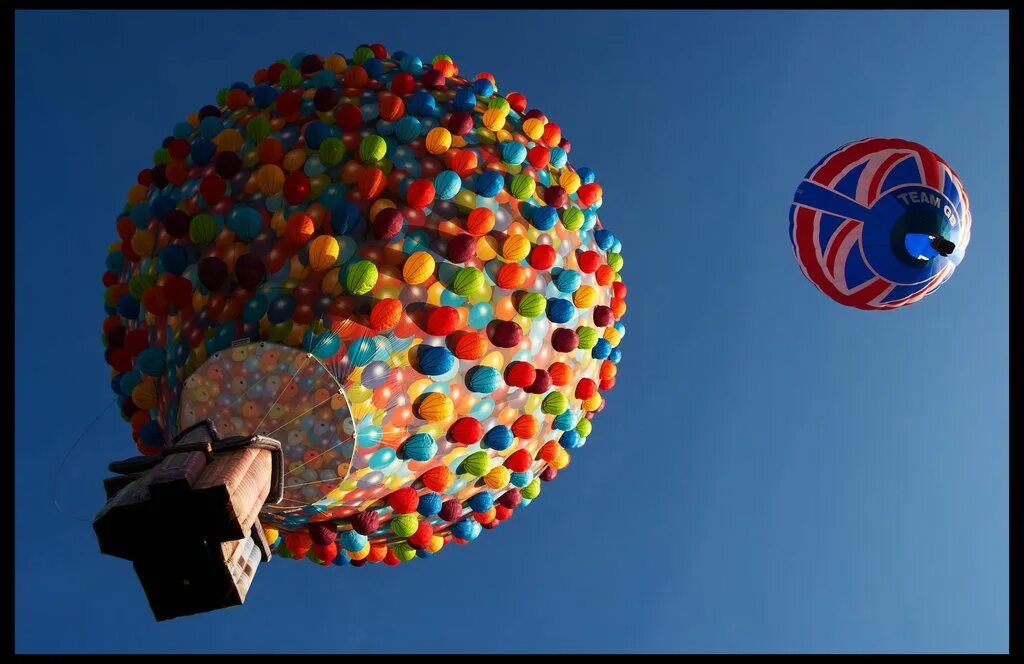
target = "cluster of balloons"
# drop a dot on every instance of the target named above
(392, 269)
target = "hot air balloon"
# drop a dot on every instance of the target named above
(880, 223)
(359, 310)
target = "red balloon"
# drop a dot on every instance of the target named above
(296, 187)
(212, 189)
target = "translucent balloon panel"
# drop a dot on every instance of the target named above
(286, 394)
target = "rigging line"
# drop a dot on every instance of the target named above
(67, 455)
(281, 393)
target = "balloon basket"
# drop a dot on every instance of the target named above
(189, 518)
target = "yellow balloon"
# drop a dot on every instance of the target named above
(434, 293)
(486, 248)
(418, 267)
(416, 388)
(494, 359)
(438, 140)
(323, 252)
(294, 160)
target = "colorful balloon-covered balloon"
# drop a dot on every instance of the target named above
(393, 270)
(880, 223)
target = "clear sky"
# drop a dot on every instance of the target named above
(773, 472)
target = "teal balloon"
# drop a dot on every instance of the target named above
(382, 458)
(480, 315)
(151, 362)
(255, 308)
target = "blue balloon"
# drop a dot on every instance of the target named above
(489, 184)
(568, 281)
(604, 239)
(151, 361)
(513, 152)
(316, 132)
(162, 205)
(419, 447)
(615, 356)
(408, 129)
(601, 349)
(586, 175)
(202, 151)
(464, 99)
(374, 67)
(564, 421)
(128, 307)
(382, 458)
(435, 360)
(430, 504)
(447, 184)
(128, 382)
(344, 217)
(248, 223)
(210, 126)
(115, 261)
(255, 308)
(483, 87)
(140, 215)
(281, 309)
(151, 434)
(183, 130)
(466, 529)
(499, 438)
(350, 540)
(544, 218)
(481, 502)
(422, 103)
(411, 64)
(558, 157)
(483, 379)
(174, 259)
(559, 310)
(264, 95)
(521, 479)
(570, 440)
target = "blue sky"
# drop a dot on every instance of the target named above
(773, 472)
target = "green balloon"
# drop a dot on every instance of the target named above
(523, 186)
(362, 54)
(139, 283)
(587, 337)
(161, 156)
(257, 129)
(499, 103)
(202, 229)
(405, 525)
(477, 463)
(614, 261)
(404, 552)
(572, 219)
(361, 277)
(290, 77)
(372, 149)
(531, 305)
(554, 403)
(332, 151)
(222, 97)
(583, 427)
(467, 281)
(279, 331)
(531, 490)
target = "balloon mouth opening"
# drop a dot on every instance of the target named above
(924, 247)
(920, 237)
